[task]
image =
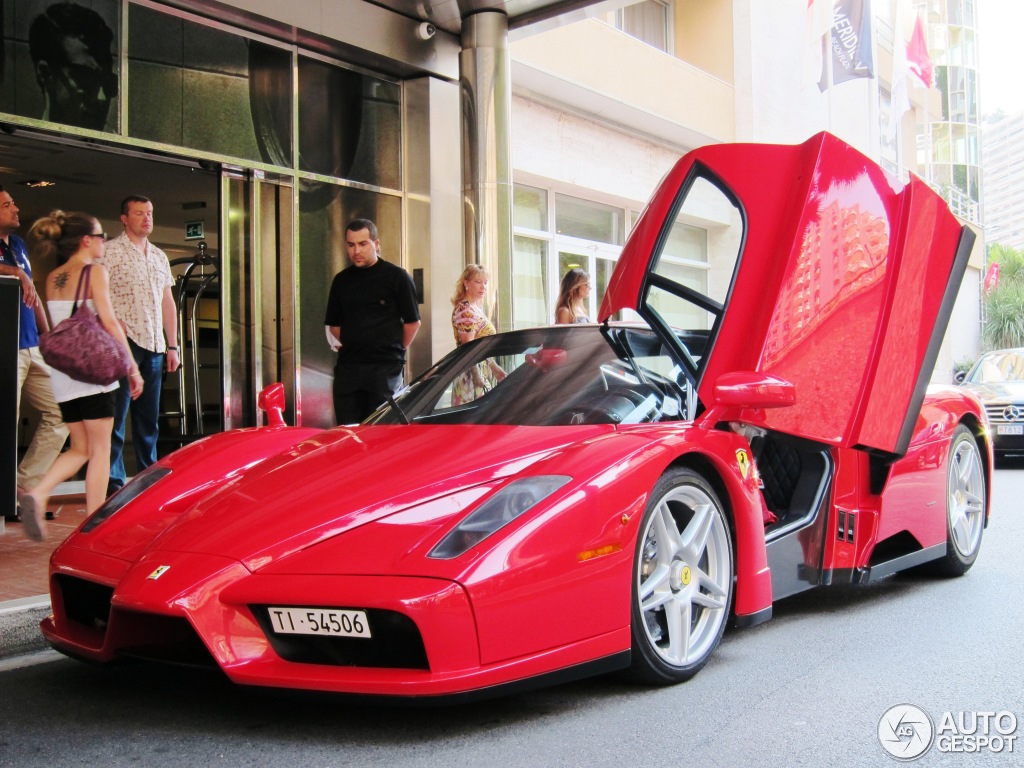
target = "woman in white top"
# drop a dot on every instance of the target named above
(76, 240)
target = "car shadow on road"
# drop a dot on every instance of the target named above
(135, 702)
(1010, 462)
(844, 598)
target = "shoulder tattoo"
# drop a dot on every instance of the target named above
(61, 279)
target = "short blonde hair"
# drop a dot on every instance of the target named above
(471, 271)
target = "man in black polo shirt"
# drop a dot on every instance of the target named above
(372, 311)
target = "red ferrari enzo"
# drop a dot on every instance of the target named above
(570, 500)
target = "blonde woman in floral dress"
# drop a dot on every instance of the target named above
(470, 322)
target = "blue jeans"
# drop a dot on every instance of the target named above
(145, 413)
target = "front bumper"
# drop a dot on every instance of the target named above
(206, 610)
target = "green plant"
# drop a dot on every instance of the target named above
(1011, 264)
(1004, 318)
(963, 365)
(1004, 306)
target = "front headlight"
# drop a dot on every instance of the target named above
(141, 482)
(498, 511)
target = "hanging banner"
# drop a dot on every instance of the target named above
(918, 58)
(852, 48)
(991, 281)
(817, 26)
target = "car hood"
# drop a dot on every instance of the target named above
(329, 484)
(1002, 392)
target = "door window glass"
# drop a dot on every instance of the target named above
(695, 266)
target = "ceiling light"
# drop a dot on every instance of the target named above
(34, 183)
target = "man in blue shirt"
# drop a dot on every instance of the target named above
(33, 373)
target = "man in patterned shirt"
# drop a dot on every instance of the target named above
(140, 290)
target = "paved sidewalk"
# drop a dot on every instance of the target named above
(24, 591)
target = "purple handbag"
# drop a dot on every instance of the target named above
(80, 346)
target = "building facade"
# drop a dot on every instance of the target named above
(601, 111)
(949, 149)
(259, 129)
(525, 135)
(1004, 181)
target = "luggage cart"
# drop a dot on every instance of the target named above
(201, 278)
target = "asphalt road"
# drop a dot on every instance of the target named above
(806, 689)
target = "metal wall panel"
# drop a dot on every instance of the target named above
(10, 319)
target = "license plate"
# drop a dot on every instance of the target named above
(319, 621)
(1010, 429)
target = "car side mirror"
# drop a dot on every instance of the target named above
(271, 401)
(960, 377)
(750, 389)
(546, 359)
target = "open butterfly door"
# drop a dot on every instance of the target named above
(842, 282)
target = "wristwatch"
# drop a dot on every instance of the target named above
(169, 349)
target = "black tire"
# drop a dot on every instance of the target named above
(682, 580)
(965, 506)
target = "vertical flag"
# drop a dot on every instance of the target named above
(817, 25)
(852, 47)
(920, 63)
(840, 29)
(911, 64)
(991, 281)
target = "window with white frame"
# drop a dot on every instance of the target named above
(555, 232)
(649, 21)
(530, 268)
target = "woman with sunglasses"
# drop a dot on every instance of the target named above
(76, 240)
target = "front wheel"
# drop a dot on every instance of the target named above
(682, 580)
(965, 506)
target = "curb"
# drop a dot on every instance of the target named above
(19, 625)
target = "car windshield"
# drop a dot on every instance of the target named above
(998, 367)
(556, 375)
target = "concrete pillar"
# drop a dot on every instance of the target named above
(486, 78)
(433, 185)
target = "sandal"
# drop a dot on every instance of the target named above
(32, 518)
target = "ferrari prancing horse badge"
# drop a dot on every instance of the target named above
(743, 460)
